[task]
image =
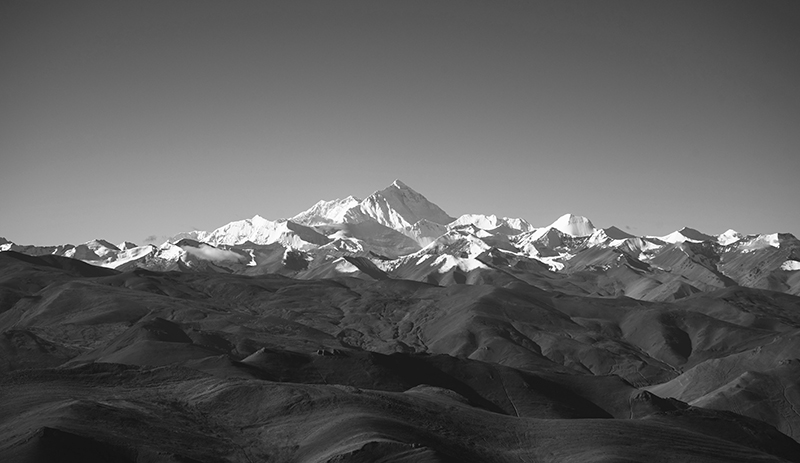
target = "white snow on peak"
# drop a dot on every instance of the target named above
(327, 212)
(240, 231)
(259, 230)
(686, 234)
(516, 223)
(259, 221)
(611, 236)
(573, 225)
(492, 223)
(540, 242)
(171, 252)
(484, 222)
(538, 234)
(729, 237)
(674, 237)
(399, 207)
(132, 254)
(102, 247)
(96, 250)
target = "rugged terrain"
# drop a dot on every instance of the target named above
(385, 330)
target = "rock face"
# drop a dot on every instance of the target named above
(140, 365)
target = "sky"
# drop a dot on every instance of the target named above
(139, 120)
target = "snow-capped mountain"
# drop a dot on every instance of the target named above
(493, 224)
(399, 207)
(327, 212)
(686, 234)
(397, 232)
(573, 225)
(259, 230)
(729, 237)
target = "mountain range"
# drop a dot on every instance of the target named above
(386, 330)
(398, 233)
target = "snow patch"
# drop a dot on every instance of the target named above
(447, 262)
(169, 251)
(759, 242)
(729, 237)
(553, 262)
(342, 265)
(130, 255)
(790, 265)
(345, 244)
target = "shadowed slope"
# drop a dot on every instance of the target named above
(225, 367)
(189, 415)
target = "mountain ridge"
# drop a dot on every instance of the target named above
(393, 228)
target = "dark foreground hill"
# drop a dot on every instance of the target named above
(142, 366)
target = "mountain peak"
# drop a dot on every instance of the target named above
(729, 237)
(573, 225)
(687, 234)
(399, 207)
(325, 212)
(397, 187)
(125, 245)
(399, 184)
(617, 234)
(102, 245)
(692, 231)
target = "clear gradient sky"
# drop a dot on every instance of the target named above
(127, 119)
